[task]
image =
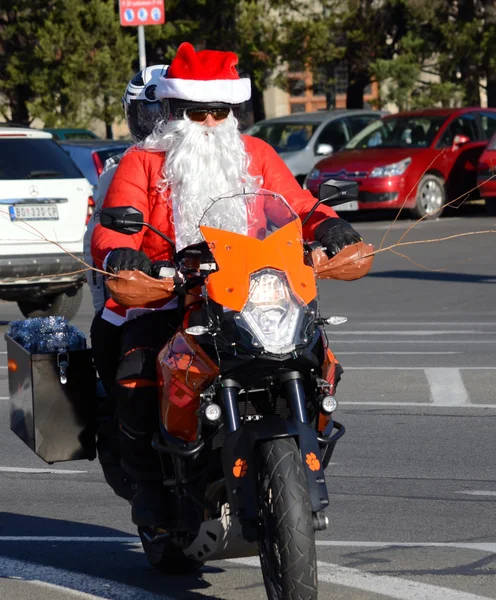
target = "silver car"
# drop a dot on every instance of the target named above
(302, 139)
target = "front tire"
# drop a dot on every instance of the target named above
(64, 304)
(287, 538)
(165, 556)
(431, 197)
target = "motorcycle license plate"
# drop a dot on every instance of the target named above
(33, 212)
(353, 205)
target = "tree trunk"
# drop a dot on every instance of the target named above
(490, 26)
(257, 104)
(18, 105)
(355, 91)
(108, 131)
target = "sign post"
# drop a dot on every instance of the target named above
(138, 13)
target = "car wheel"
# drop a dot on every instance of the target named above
(491, 207)
(431, 196)
(65, 304)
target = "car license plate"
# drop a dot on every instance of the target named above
(353, 205)
(31, 212)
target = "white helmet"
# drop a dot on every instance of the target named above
(142, 108)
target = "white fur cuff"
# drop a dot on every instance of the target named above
(231, 91)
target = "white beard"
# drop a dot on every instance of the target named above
(201, 164)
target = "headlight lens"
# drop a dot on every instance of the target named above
(391, 170)
(272, 313)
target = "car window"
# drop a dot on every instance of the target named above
(398, 132)
(284, 137)
(462, 125)
(79, 136)
(488, 120)
(358, 122)
(335, 134)
(35, 159)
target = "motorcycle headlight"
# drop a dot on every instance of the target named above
(393, 169)
(272, 313)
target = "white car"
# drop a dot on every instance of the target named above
(44, 202)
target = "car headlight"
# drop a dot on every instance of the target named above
(314, 174)
(391, 170)
(272, 313)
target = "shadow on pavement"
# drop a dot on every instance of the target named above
(435, 276)
(121, 563)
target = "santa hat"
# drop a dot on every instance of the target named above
(205, 76)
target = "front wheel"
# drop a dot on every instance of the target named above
(431, 197)
(287, 538)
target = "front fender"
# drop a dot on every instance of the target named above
(240, 463)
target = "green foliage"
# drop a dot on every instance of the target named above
(71, 56)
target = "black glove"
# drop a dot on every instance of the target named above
(128, 259)
(335, 234)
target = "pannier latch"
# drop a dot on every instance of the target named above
(62, 364)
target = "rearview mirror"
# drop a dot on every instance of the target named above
(323, 149)
(124, 219)
(459, 140)
(337, 191)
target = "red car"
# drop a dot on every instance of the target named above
(485, 171)
(419, 160)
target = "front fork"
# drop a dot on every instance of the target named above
(297, 427)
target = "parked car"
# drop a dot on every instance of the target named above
(486, 169)
(419, 160)
(304, 138)
(43, 199)
(90, 157)
(72, 134)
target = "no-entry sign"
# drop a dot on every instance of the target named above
(141, 12)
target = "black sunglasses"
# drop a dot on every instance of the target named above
(200, 114)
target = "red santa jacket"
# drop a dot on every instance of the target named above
(135, 184)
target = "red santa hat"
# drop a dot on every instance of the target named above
(205, 76)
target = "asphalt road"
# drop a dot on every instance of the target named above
(412, 483)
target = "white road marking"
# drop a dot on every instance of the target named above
(76, 585)
(420, 404)
(480, 546)
(399, 342)
(85, 587)
(59, 538)
(478, 493)
(407, 368)
(392, 352)
(391, 587)
(31, 470)
(417, 332)
(447, 387)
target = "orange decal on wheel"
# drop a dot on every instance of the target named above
(240, 468)
(313, 462)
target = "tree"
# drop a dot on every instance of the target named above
(251, 28)
(19, 23)
(65, 62)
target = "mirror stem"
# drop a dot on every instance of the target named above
(311, 213)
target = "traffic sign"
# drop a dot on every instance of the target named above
(141, 12)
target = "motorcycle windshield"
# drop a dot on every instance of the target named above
(248, 231)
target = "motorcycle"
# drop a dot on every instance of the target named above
(246, 387)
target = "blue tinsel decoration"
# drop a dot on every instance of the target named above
(44, 335)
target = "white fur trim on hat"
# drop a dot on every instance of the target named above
(231, 91)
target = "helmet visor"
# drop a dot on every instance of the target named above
(142, 116)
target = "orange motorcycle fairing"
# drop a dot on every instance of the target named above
(184, 372)
(239, 256)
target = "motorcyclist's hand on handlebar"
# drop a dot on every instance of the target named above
(128, 259)
(335, 234)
